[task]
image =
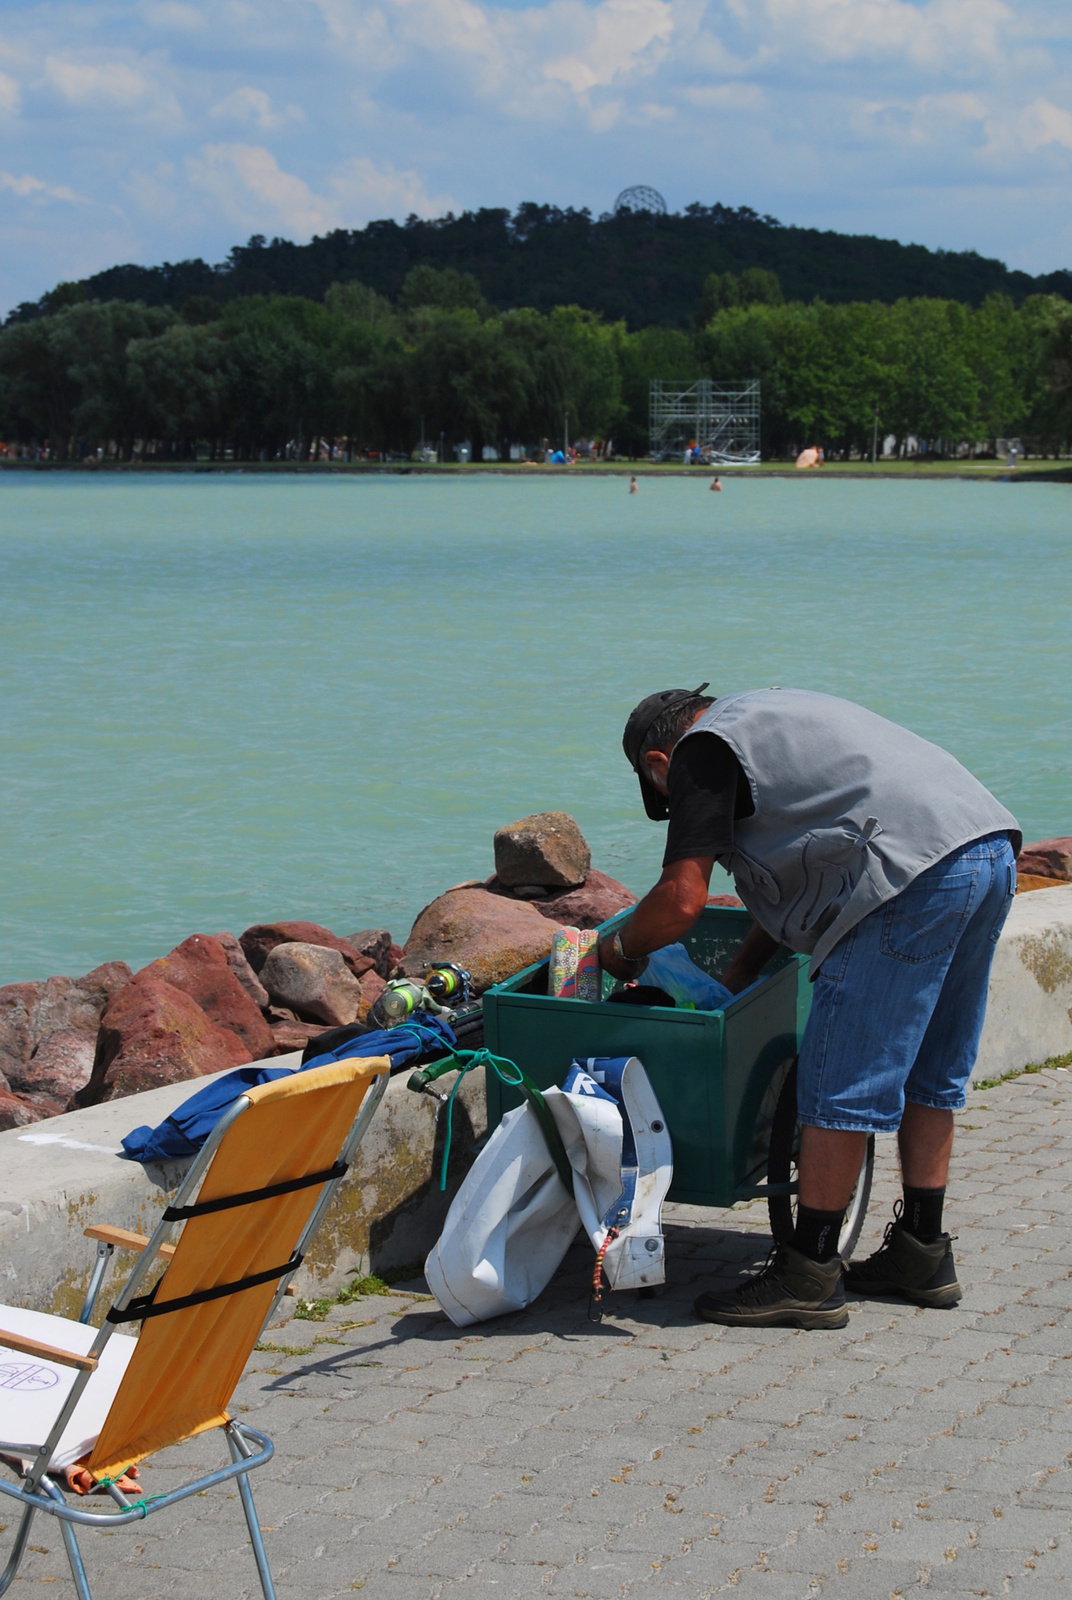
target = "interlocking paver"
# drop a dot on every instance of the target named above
(912, 1453)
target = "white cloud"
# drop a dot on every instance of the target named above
(111, 83)
(940, 35)
(172, 15)
(253, 105)
(611, 39)
(250, 186)
(9, 96)
(30, 188)
(1034, 128)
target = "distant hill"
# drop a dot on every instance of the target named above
(645, 268)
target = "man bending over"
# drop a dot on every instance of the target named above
(876, 853)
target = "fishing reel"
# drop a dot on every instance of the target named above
(449, 984)
(444, 988)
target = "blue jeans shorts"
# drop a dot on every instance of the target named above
(898, 1005)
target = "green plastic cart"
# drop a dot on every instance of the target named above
(726, 1080)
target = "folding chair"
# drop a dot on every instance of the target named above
(105, 1400)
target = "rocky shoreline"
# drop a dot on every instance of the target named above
(220, 1000)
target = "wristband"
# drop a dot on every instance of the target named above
(640, 962)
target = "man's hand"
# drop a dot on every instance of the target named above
(664, 916)
(755, 951)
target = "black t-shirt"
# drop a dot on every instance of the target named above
(708, 792)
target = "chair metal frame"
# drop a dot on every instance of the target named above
(247, 1446)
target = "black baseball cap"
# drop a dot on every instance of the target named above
(636, 731)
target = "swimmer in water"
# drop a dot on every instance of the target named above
(716, 484)
(634, 487)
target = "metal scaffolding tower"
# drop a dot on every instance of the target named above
(721, 419)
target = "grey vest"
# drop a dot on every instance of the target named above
(849, 809)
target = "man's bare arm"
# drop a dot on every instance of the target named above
(665, 914)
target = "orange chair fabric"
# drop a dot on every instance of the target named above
(186, 1365)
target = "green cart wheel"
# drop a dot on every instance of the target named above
(782, 1168)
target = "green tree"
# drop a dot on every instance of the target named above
(444, 288)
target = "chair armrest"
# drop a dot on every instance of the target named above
(122, 1238)
(49, 1352)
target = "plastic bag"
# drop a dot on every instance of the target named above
(672, 969)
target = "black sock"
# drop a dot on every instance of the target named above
(817, 1232)
(922, 1214)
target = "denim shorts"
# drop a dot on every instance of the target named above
(898, 1005)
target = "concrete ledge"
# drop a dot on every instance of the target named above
(1029, 1015)
(58, 1176)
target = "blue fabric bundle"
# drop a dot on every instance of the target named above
(189, 1125)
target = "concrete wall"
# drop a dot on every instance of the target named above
(1029, 1017)
(58, 1176)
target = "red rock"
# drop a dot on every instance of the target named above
(376, 944)
(29, 1012)
(264, 936)
(597, 898)
(545, 849)
(16, 1112)
(152, 1033)
(290, 1036)
(200, 968)
(60, 1065)
(372, 986)
(724, 900)
(1047, 858)
(491, 935)
(236, 960)
(395, 955)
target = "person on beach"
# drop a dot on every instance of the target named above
(633, 485)
(861, 844)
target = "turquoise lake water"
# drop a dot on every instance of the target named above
(231, 699)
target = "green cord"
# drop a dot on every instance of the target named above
(468, 1059)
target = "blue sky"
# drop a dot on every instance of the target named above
(145, 130)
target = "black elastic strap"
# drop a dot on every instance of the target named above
(202, 1207)
(143, 1306)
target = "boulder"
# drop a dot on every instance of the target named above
(15, 1112)
(315, 981)
(598, 898)
(199, 966)
(372, 986)
(489, 934)
(546, 850)
(1047, 858)
(236, 960)
(260, 940)
(375, 943)
(151, 1034)
(724, 900)
(60, 1065)
(1026, 881)
(29, 1012)
(290, 1036)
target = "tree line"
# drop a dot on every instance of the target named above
(266, 377)
(628, 265)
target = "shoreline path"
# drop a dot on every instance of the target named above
(913, 1452)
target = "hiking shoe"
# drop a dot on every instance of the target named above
(926, 1274)
(790, 1291)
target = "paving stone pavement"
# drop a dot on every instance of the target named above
(914, 1452)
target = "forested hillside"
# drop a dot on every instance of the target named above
(637, 267)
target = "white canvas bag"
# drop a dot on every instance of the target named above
(512, 1220)
(622, 1159)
